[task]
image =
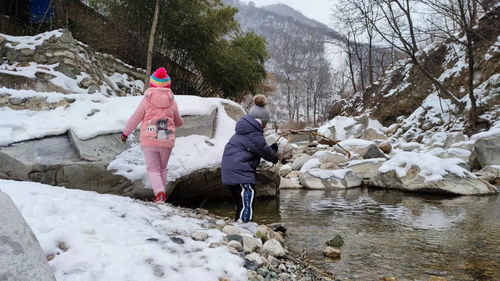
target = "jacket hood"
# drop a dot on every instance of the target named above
(247, 125)
(159, 97)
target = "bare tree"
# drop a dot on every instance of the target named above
(397, 16)
(463, 15)
(152, 34)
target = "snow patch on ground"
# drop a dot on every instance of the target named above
(107, 237)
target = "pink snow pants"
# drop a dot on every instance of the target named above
(156, 164)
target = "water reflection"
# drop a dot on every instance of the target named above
(391, 233)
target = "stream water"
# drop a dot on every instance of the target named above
(388, 233)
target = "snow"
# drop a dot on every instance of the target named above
(88, 116)
(349, 143)
(108, 241)
(340, 123)
(326, 174)
(432, 168)
(30, 42)
(358, 162)
(492, 132)
(185, 157)
(310, 164)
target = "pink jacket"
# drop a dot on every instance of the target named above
(159, 116)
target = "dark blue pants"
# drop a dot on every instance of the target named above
(243, 197)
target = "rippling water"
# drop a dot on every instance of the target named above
(389, 233)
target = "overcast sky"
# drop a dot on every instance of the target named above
(320, 10)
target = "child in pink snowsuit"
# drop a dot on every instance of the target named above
(159, 117)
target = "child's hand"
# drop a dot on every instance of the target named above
(124, 138)
(274, 147)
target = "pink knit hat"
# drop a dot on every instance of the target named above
(160, 79)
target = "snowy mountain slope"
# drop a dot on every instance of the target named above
(118, 238)
(404, 95)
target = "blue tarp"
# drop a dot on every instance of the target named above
(39, 9)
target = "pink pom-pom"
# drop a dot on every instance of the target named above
(161, 73)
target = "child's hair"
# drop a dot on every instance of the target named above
(260, 100)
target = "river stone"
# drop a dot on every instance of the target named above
(255, 258)
(205, 183)
(490, 174)
(371, 134)
(300, 161)
(364, 148)
(410, 146)
(232, 230)
(366, 168)
(487, 151)
(199, 236)
(290, 183)
(22, 257)
(251, 243)
(331, 252)
(331, 157)
(330, 180)
(266, 233)
(274, 248)
(236, 245)
(386, 147)
(285, 170)
(231, 237)
(336, 241)
(450, 184)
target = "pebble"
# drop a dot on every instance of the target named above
(199, 236)
(262, 271)
(274, 248)
(234, 237)
(255, 258)
(230, 230)
(236, 245)
(251, 243)
(331, 252)
(177, 240)
(282, 267)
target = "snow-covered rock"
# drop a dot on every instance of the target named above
(331, 157)
(372, 134)
(117, 238)
(409, 146)
(490, 174)
(487, 150)
(426, 173)
(310, 164)
(299, 161)
(285, 170)
(385, 146)
(22, 257)
(365, 168)
(364, 148)
(328, 179)
(342, 128)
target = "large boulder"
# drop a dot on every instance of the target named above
(364, 148)
(206, 183)
(490, 174)
(54, 161)
(200, 124)
(22, 257)
(328, 179)
(426, 173)
(331, 157)
(365, 168)
(487, 151)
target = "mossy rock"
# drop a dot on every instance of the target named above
(336, 241)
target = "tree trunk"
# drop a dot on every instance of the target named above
(370, 59)
(151, 43)
(470, 57)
